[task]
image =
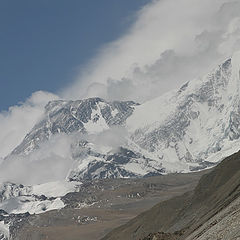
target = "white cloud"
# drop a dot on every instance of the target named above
(170, 43)
(51, 162)
(112, 138)
(18, 120)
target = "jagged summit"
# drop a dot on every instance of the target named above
(86, 116)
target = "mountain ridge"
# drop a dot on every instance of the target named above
(184, 130)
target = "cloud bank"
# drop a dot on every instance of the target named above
(170, 43)
(18, 120)
(54, 159)
(51, 162)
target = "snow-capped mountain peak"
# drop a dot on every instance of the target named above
(194, 123)
(91, 115)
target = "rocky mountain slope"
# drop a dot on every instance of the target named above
(82, 121)
(91, 115)
(211, 211)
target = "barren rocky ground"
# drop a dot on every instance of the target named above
(108, 204)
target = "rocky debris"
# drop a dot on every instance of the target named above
(86, 219)
(102, 191)
(224, 225)
(163, 236)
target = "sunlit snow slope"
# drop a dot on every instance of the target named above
(196, 124)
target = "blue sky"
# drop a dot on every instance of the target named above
(43, 43)
(105, 48)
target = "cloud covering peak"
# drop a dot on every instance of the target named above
(170, 43)
(18, 120)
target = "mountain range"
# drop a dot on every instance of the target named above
(185, 130)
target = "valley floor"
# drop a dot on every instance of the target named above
(113, 203)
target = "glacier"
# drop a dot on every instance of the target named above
(194, 123)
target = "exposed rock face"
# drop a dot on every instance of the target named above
(122, 164)
(85, 116)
